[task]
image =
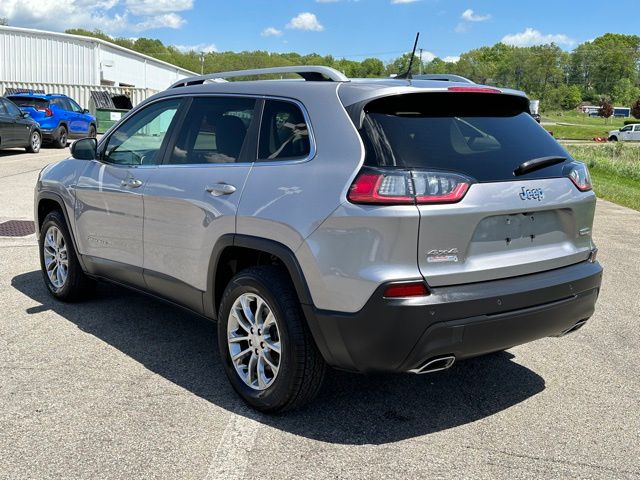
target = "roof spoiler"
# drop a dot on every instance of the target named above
(443, 77)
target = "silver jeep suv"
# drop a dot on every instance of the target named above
(369, 225)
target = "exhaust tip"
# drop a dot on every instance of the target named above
(574, 328)
(435, 365)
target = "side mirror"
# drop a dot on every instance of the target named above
(85, 149)
(24, 114)
(84, 110)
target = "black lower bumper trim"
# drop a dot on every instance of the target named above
(464, 320)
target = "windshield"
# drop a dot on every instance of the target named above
(30, 102)
(485, 136)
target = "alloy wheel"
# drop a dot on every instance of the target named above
(254, 342)
(56, 261)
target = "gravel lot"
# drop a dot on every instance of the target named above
(122, 386)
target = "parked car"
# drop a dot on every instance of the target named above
(626, 133)
(17, 129)
(369, 225)
(59, 116)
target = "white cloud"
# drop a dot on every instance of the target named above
(461, 27)
(271, 32)
(168, 20)
(199, 47)
(470, 16)
(426, 56)
(400, 2)
(305, 21)
(110, 16)
(531, 36)
(451, 58)
(157, 7)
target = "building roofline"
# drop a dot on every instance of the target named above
(96, 41)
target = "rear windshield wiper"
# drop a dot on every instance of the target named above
(537, 163)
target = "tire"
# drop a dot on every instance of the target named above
(35, 142)
(62, 138)
(75, 285)
(92, 131)
(301, 367)
(613, 138)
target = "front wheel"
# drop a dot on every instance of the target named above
(35, 141)
(613, 138)
(61, 270)
(265, 345)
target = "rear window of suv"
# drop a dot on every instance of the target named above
(482, 135)
(30, 102)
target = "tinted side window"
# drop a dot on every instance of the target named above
(283, 132)
(139, 139)
(12, 110)
(74, 106)
(214, 131)
(3, 110)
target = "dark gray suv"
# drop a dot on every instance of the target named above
(369, 225)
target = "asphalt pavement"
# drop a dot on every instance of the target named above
(123, 386)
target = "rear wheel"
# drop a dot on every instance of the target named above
(61, 270)
(62, 138)
(265, 345)
(92, 131)
(35, 141)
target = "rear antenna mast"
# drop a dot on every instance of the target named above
(407, 74)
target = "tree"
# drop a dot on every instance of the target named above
(624, 92)
(606, 109)
(635, 109)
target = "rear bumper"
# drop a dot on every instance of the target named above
(464, 320)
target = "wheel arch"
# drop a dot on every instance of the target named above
(47, 202)
(251, 250)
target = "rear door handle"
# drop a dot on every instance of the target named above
(221, 189)
(131, 182)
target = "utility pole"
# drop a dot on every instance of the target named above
(201, 63)
(421, 61)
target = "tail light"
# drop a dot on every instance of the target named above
(47, 112)
(407, 187)
(403, 290)
(579, 175)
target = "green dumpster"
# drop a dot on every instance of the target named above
(108, 108)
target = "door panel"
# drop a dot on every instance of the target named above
(192, 199)
(109, 205)
(13, 125)
(109, 213)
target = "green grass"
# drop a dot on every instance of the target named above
(572, 125)
(580, 118)
(578, 132)
(615, 171)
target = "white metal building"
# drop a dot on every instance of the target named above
(74, 65)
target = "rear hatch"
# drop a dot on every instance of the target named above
(37, 108)
(485, 213)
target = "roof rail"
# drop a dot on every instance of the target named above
(443, 77)
(314, 73)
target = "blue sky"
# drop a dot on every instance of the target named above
(353, 29)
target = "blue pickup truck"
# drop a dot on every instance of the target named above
(59, 116)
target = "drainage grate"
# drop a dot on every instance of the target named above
(17, 228)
